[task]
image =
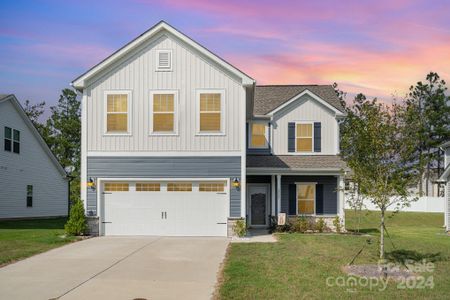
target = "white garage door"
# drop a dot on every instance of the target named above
(168, 208)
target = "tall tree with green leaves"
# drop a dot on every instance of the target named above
(64, 139)
(429, 114)
(377, 146)
(34, 113)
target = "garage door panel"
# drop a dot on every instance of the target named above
(171, 213)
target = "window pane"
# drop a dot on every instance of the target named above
(116, 187)
(148, 187)
(211, 187)
(16, 147)
(163, 102)
(117, 103)
(305, 207)
(258, 141)
(258, 135)
(8, 145)
(210, 102)
(8, 133)
(16, 135)
(306, 198)
(117, 123)
(304, 130)
(304, 144)
(29, 195)
(179, 187)
(209, 121)
(163, 122)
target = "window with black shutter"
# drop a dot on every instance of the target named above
(29, 195)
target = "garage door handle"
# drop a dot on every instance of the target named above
(106, 222)
(105, 193)
(221, 193)
(222, 223)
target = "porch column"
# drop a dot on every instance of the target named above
(341, 197)
(279, 192)
(272, 195)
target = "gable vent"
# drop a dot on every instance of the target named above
(164, 60)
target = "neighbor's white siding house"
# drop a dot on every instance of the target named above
(32, 166)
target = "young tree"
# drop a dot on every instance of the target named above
(64, 139)
(428, 113)
(34, 113)
(378, 148)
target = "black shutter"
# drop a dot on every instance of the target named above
(317, 137)
(291, 137)
(248, 134)
(292, 199)
(319, 199)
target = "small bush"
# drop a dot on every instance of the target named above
(337, 224)
(240, 228)
(76, 225)
(320, 225)
(301, 225)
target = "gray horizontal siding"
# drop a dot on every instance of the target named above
(170, 167)
(329, 191)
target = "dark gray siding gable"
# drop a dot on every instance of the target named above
(166, 167)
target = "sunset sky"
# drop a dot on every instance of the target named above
(378, 47)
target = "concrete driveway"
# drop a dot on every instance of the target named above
(119, 268)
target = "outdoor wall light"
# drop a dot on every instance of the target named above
(236, 183)
(91, 183)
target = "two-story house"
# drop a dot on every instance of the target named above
(176, 141)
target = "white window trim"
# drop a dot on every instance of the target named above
(175, 112)
(312, 136)
(250, 134)
(158, 68)
(296, 197)
(105, 112)
(222, 111)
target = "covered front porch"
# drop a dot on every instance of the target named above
(310, 192)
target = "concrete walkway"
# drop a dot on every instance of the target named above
(118, 268)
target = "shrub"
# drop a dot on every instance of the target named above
(301, 225)
(240, 228)
(337, 224)
(320, 225)
(76, 225)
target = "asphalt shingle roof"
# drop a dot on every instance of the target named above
(3, 96)
(269, 97)
(296, 161)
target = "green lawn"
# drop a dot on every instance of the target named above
(23, 238)
(297, 267)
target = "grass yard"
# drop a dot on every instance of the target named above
(23, 238)
(297, 267)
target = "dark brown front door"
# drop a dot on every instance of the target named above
(258, 205)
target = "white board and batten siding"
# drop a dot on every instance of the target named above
(190, 73)
(31, 167)
(305, 109)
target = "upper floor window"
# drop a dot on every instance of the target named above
(211, 119)
(164, 60)
(304, 137)
(259, 135)
(117, 112)
(163, 110)
(12, 140)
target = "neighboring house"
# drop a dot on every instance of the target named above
(32, 182)
(176, 141)
(445, 178)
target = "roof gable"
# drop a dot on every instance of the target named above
(80, 82)
(15, 103)
(270, 98)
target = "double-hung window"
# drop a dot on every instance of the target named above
(304, 137)
(163, 109)
(29, 196)
(259, 135)
(117, 112)
(211, 115)
(306, 197)
(12, 140)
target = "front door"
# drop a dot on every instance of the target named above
(258, 198)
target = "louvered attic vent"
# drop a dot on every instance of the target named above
(164, 62)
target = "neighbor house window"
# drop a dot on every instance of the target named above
(210, 112)
(29, 195)
(148, 187)
(117, 114)
(163, 112)
(116, 187)
(211, 187)
(179, 187)
(304, 137)
(306, 194)
(12, 140)
(259, 135)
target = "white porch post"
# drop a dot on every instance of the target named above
(341, 198)
(279, 192)
(272, 195)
